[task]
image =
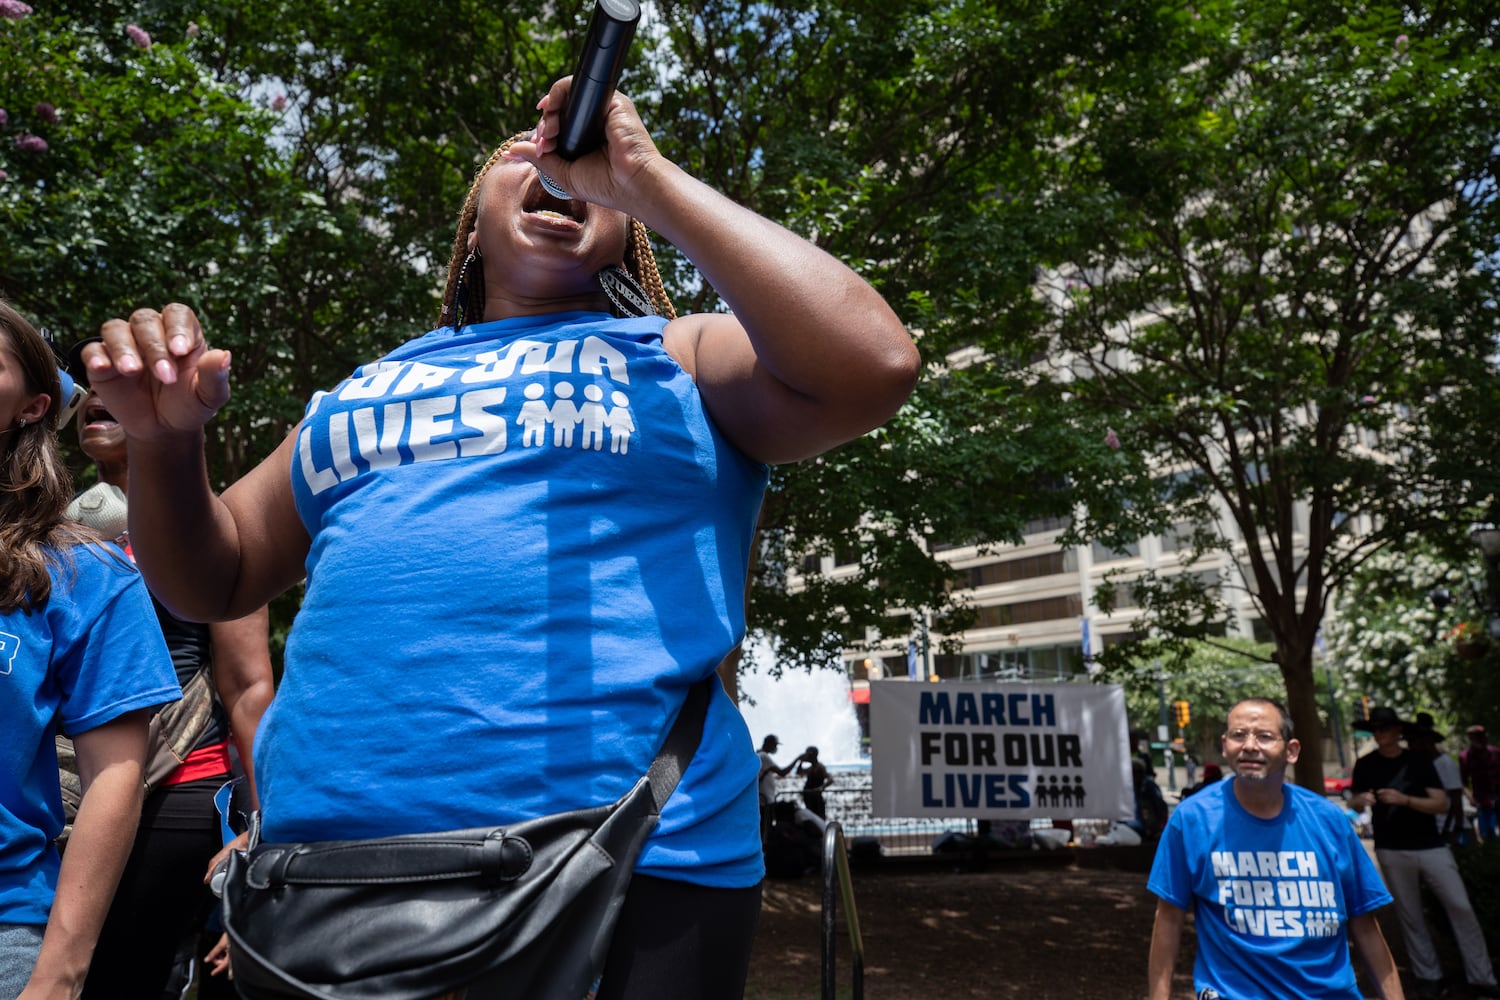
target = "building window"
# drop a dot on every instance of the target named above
(1116, 638)
(1039, 525)
(1035, 663)
(1026, 612)
(1125, 595)
(1180, 536)
(1103, 553)
(1025, 568)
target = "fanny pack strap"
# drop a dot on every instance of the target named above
(682, 742)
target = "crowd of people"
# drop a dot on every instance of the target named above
(179, 738)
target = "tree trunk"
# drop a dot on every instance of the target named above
(1302, 702)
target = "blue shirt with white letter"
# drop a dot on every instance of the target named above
(93, 653)
(1271, 897)
(528, 541)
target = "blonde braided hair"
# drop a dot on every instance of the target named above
(639, 259)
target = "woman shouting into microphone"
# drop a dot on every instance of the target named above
(526, 533)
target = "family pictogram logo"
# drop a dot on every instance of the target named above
(400, 413)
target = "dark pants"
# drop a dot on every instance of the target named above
(677, 941)
(162, 899)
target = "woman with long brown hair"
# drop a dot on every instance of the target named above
(526, 533)
(80, 649)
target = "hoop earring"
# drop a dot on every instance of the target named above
(625, 292)
(467, 283)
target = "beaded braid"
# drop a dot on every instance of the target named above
(641, 263)
(639, 259)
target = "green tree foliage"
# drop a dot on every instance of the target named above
(1223, 185)
(150, 174)
(888, 134)
(1391, 642)
(1209, 676)
(1273, 272)
(293, 171)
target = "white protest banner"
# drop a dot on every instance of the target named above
(999, 751)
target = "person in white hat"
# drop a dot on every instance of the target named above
(766, 780)
(162, 899)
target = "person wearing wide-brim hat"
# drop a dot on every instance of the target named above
(1422, 728)
(1381, 717)
(1404, 792)
(1423, 737)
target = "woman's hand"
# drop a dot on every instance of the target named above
(239, 843)
(217, 959)
(156, 374)
(603, 176)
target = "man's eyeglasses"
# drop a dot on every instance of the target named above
(1262, 737)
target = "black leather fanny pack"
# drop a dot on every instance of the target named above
(521, 911)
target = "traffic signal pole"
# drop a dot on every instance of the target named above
(1180, 715)
(1163, 731)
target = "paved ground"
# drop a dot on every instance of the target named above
(1043, 929)
(1036, 931)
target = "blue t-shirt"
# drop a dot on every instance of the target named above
(90, 655)
(528, 542)
(1271, 897)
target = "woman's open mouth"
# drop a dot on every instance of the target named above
(543, 205)
(95, 415)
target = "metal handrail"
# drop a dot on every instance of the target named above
(836, 875)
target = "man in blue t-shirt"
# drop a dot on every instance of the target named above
(1277, 880)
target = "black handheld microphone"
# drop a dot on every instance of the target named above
(599, 64)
